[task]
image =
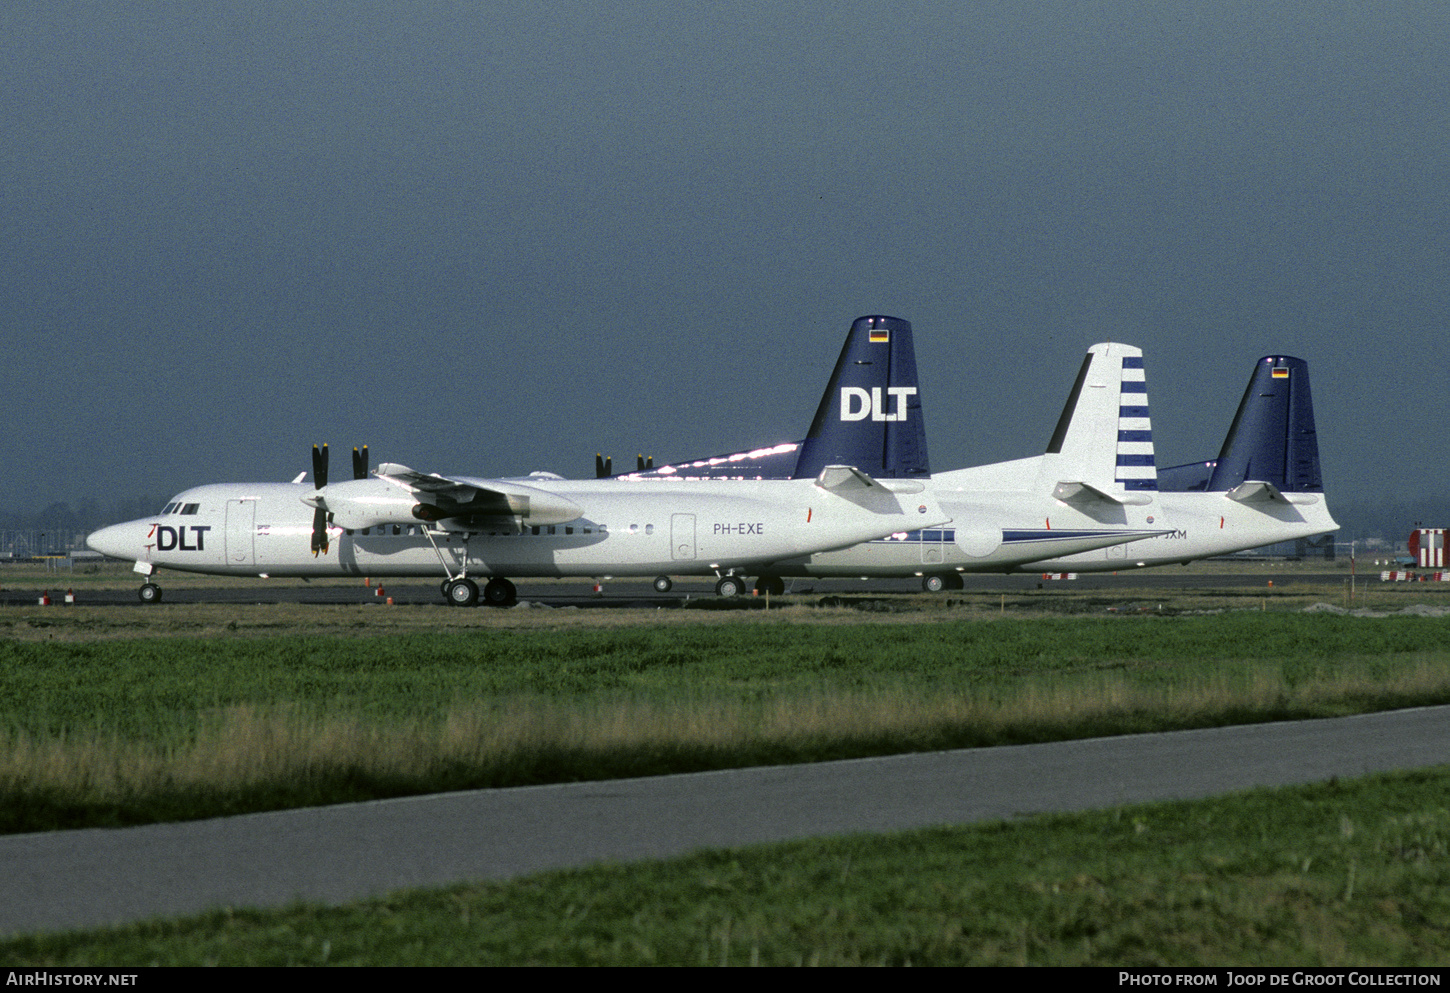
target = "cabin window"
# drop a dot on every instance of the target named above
(535, 529)
(568, 530)
(649, 529)
(397, 529)
(633, 528)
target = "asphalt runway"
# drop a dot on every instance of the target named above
(687, 591)
(73, 879)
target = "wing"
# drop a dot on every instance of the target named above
(400, 495)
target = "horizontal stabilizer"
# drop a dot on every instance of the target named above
(1088, 493)
(843, 478)
(1258, 491)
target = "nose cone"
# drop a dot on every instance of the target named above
(119, 541)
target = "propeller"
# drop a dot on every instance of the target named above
(642, 464)
(603, 467)
(360, 463)
(319, 516)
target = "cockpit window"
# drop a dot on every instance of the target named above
(168, 508)
(190, 508)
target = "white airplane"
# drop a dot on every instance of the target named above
(399, 522)
(1265, 487)
(1091, 502)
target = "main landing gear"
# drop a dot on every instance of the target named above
(500, 592)
(464, 592)
(937, 581)
(732, 586)
(461, 592)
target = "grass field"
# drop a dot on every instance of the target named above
(129, 715)
(1342, 873)
(125, 715)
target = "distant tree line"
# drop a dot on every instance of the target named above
(87, 515)
(1390, 520)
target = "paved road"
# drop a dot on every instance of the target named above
(335, 854)
(634, 592)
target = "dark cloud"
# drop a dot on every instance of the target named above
(496, 240)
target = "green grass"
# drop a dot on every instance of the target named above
(131, 731)
(1335, 874)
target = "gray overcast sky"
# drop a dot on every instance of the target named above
(491, 238)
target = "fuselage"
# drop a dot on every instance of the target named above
(645, 529)
(1004, 519)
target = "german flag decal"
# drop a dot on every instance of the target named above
(1279, 372)
(881, 336)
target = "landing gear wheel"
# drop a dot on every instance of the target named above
(462, 592)
(773, 585)
(663, 584)
(500, 592)
(730, 586)
(443, 587)
(933, 583)
(150, 593)
(955, 582)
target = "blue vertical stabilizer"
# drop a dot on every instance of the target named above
(1272, 438)
(870, 416)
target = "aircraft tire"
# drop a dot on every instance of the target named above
(955, 582)
(730, 586)
(500, 592)
(773, 585)
(150, 593)
(462, 593)
(663, 584)
(933, 583)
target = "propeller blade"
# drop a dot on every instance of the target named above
(649, 462)
(319, 531)
(603, 467)
(638, 462)
(360, 463)
(319, 466)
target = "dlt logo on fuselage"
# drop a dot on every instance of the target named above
(168, 538)
(871, 403)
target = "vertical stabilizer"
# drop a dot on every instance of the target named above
(1104, 439)
(1272, 438)
(870, 416)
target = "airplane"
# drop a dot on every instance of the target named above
(871, 415)
(1079, 505)
(400, 522)
(1265, 487)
